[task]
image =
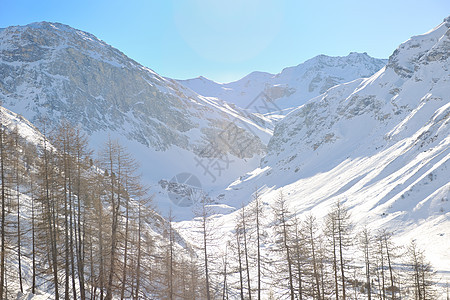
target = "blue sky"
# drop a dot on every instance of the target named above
(227, 39)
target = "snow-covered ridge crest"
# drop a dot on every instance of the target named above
(293, 86)
(418, 49)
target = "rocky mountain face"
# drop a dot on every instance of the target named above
(50, 71)
(53, 70)
(291, 87)
(381, 145)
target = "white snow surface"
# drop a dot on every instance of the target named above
(380, 145)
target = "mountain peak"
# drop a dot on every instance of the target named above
(339, 60)
(447, 21)
(50, 25)
(51, 32)
(429, 46)
(358, 54)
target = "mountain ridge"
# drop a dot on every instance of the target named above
(76, 62)
(293, 85)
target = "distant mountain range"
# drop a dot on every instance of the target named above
(291, 87)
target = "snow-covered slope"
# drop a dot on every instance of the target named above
(52, 71)
(12, 121)
(30, 145)
(381, 145)
(291, 87)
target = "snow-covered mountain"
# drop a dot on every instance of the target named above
(52, 71)
(380, 145)
(291, 87)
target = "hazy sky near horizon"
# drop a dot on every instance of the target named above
(226, 39)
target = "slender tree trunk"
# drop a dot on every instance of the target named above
(383, 285)
(2, 171)
(388, 255)
(100, 245)
(258, 245)
(225, 289)
(205, 252)
(379, 282)
(91, 260)
(81, 143)
(341, 257)
(299, 271)
(241, 277)
(335, 266)
(138, 263)
(33, 239)
(115, 205)
(171, 244)
(322, 275)
(51, 217)
(66, 224)
(366, 245)
(125, 254)
(247, 266)
(288, 257)
(71, 226)
(194, 284)
(313, 252)
(299, 259)
(258, 240)
(54, 243)
(19, 233)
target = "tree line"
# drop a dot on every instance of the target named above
(82, 227)
(292, 257)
